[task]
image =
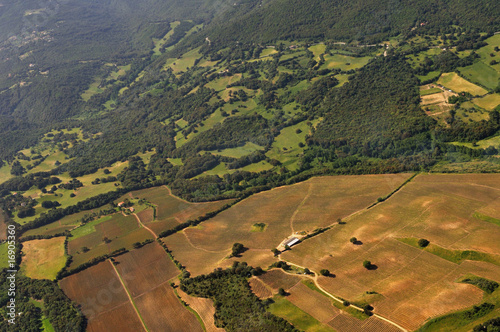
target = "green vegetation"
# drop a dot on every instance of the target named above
(259, 227)
(4, 260)
(455, 256)
(486, 218)
(300, 319)
(487, 286)
(431, 91)
(87, 228)
(238, 305)
(458, 84)
(457, 320)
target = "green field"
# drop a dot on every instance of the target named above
(481, 73)
(300, 319)
(482, 144)
(430, 91)
(431, 75)
(456, 83)
(160, 42)
(87, 228)
(46, 325)
(43, 258)
(344, 62)
(285, 147)
(3, 256)
(240, 151)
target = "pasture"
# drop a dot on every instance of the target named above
(285, 147)
(344, 62)
(43, 258)
(238, 152)
(457, 84)
(4, 255)
(413, 284)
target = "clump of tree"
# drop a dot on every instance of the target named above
(324, 272)
(488, 286)
(422, 243)
(368, 265)
(237, 249)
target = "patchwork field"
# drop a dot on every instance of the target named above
(43, 258)
(295, 209)
(103, 236)
(456, 83)
(172, 210)
(413, 285)
(131, 294)
(204, 308)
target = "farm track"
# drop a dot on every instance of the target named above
(315, 280)
(306, 197)
(142, 225)
(128, 295)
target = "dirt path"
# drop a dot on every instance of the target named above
(292, 219)
(129, 297)
(315, 279)
(142, 225)
(205, 250)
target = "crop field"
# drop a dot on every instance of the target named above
(488, 102)
(430, 91)
(161, 310)
(482, 74)
(276, 279)
(66, 223)
(43, 258)
(456, 83)
(439, 208)
(260, 289)
(299, 208)
(102, 298)
(145, 268)
(205, 309)
(299, 318)
(144, 273)
(121, 232)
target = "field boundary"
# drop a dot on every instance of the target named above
(128, 295)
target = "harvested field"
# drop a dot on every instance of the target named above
(488, 102)
(439, 208)
(276, 279)
(204, 308)
(260, 289)
(456, 83)
(43, 258)
(162, 311)
(146, 215)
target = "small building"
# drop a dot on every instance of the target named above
(121, 204)
(132, 209)
(290, 242)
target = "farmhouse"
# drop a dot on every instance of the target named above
(121, 204)
(292, 241)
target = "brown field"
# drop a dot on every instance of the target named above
(204, 308)
(123, 231)
(43, 258)
(414, 285)
(302, 207)
(312, 302)
(343, 322)
(145, 268)
(169, 206)
(162, 311)
(276, 279)
(146, 215)
(145, 273)
(97, 290)
(259, 288)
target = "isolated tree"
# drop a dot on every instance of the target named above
(324, 272)
(307, 271)
(106, 240)
(367, 265)
(281, 292)
(85, 249)
(353, 240)
(422, 243)
(287, 247)
(237, 249)
(275, 251)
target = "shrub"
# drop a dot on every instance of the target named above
(422, 243)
